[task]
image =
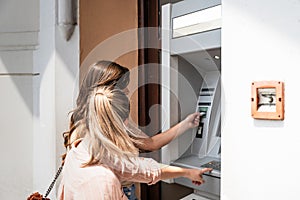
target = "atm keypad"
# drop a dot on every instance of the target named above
(216, 165)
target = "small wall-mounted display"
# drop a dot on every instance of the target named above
(267, 100)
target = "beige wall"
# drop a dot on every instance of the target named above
(108, 31)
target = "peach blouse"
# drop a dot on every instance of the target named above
(102, 182)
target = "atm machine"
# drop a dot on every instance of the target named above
(191, 72)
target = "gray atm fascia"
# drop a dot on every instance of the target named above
(185, 45)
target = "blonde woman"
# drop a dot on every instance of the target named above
(107, 147)
(107, 73)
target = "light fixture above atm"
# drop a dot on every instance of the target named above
(197, 22)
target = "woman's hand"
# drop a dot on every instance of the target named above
(192, 120)
(195, 175)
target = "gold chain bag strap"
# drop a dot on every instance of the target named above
(38, 196)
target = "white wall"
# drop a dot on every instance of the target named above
(19, 27)
(57, 60)
(38, 73)
(44, 162)
(260, 41)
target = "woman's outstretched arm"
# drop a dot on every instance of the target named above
(159, 140)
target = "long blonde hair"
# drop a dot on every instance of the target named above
(109, 140)
(101, 73)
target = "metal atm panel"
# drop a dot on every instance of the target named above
(205, 150)
(191, 74)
